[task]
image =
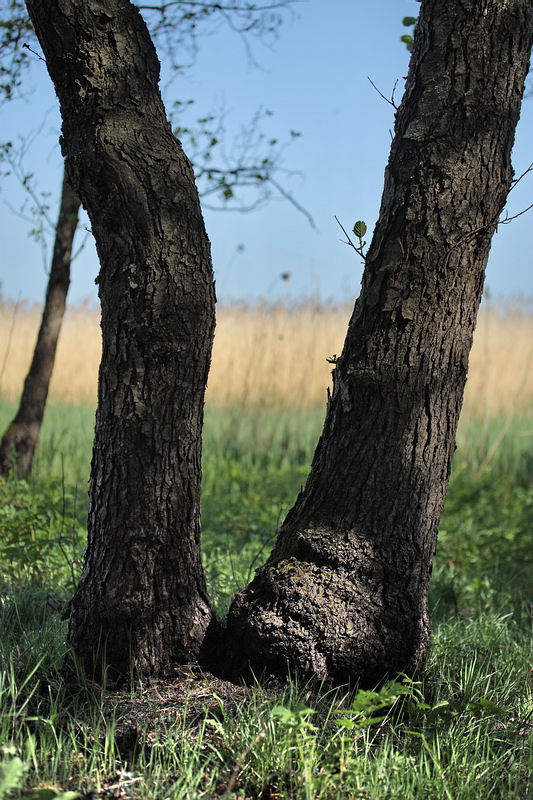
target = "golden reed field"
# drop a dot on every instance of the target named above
(275, 356)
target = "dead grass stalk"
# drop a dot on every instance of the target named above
(275, 357)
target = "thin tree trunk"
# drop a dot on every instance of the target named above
(344, 594)
(21, 437)
(141, 605)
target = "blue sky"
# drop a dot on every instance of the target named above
(315, 81)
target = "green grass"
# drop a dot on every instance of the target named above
(465, 732)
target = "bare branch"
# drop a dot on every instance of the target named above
(391, 101)
(230, 168)
(523, 175)
(293, 202)
(239, 7)
(513, 184)
(510, 219)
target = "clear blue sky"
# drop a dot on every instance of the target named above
(315, 81)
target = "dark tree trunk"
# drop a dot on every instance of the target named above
(20, 439)
(344, 592)
(141, 605)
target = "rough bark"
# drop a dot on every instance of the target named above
(141, 605)
(21, 437)
(344, 592)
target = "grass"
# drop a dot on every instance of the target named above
(464, 732)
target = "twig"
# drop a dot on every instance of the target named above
(393, 90)
(358, 250)
(27, 47)
(391, 101)
(120, 785)
(523, 175)
(235, 7)
(513, 184)
(510, 219)
(238, 765)
(294, 202)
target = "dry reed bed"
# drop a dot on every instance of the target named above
(275, 356)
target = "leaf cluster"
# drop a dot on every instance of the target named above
(407, 38)
(237, 172)
(15, 27)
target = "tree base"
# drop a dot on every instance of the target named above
(322, 624)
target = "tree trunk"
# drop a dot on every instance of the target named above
(344, 593)
(20, 439)
(141, 605)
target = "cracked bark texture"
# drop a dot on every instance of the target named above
(141, 604)
(344, 593)
(22, 435)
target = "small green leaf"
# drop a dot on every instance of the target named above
(408, 41)
(408, 21)
(359, 229)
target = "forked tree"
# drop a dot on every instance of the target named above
(344, 592)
